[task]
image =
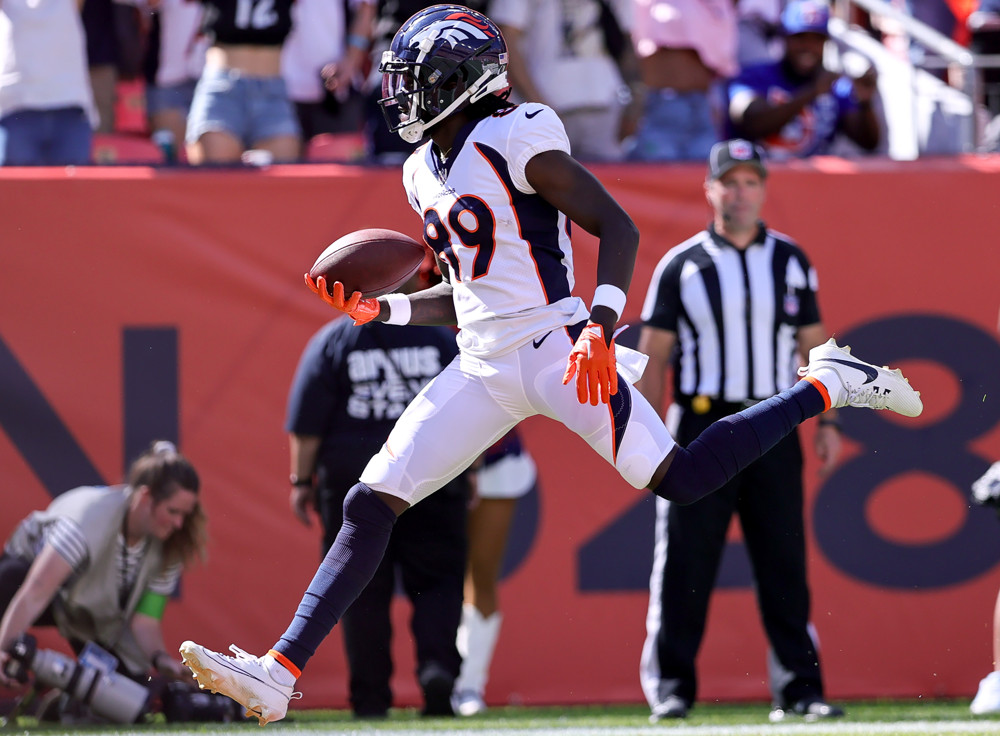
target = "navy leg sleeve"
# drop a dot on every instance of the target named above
(730, 444)
(342, 575)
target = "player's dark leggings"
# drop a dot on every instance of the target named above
(708, 463)
(342, 575)
(732, 443)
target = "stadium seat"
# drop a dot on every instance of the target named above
(119, 148)
(336, 148)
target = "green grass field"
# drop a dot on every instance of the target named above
(885, 718)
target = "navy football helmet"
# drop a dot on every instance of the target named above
(441, 60)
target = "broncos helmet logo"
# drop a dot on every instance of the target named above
(469, 18)
(464, 28)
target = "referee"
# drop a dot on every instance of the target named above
(730, 311)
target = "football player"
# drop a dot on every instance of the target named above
(496, 187)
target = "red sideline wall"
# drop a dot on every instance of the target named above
(136, 303)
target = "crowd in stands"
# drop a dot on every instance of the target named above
(273, 81)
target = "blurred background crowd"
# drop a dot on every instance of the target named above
(270, 81)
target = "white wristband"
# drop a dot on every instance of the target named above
(611, 297)
(399, 309)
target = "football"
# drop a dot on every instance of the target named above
(373, 261)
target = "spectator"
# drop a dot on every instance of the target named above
(241, 102)
(571, 55)
(100, 563)
(734, 289)
(942, 16)
(987, 700)
(174, 62)
(102, 58)
(47, 112)
(323, 63)
(795, 106)
(507, 474)
(116, 32)
(984, 27)
(986, 492)
(685, 47)
(350, 387)
(759, 30)
(991, 137)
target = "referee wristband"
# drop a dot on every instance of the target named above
(399, 309)
(607, 295)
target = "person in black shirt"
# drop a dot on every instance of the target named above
(351, 385)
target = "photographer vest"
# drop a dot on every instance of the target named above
(92, 605)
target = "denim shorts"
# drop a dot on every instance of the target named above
(675, 126)
(170, 97)
(59, 137)
(252, 109)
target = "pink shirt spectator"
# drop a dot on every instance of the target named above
(707, 26)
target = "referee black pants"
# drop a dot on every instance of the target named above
(768, 498)
(427, 551)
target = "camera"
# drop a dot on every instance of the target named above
(183, 703)
(90, 680)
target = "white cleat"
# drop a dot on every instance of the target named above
(468, 703)
(861, 384)
(987, 698)
(244, 678)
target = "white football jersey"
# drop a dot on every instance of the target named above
(507, 249)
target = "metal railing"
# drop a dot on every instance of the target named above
(944, 53)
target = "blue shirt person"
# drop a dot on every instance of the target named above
(794, 107)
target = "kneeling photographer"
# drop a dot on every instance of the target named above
(100, 564)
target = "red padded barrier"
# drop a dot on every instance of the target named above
(903, 250)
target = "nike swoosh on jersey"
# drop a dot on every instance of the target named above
(538, 343)
(530, 115)
(872, 373)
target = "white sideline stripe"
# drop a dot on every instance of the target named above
(776, 729)
(767, 729)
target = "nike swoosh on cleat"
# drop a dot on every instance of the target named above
(530, 115)
(538, 343)
(872, 373)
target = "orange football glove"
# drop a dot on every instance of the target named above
(593, 363)
(359, 309)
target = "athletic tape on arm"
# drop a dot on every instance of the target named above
(610, 296)
(399, 309)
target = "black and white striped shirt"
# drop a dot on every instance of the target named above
(735, 312)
